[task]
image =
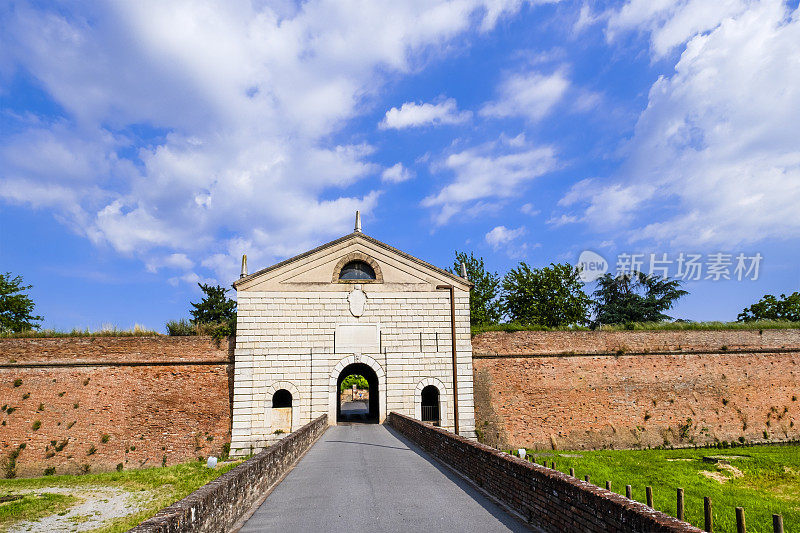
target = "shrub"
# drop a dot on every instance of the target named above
(120, 467)
(75, 405)
(50, 471)
(60, 394)
(181, 328)
(104, 438)
(85, 382)
(226, 451)
(36, 425)
(164, 461)
(41, 407)
(83, 469)
(133, 448)
(60, 446)
(92, 450)
(26, 395)
(17, 382)
(10, 410)
(69, 426)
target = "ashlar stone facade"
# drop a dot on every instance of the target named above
(354, 305)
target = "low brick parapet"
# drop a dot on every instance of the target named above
(218, 505)
(544, 498)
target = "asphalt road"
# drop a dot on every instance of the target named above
(364, 477)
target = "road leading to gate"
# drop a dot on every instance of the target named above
(362, 477)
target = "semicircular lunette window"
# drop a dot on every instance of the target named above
(357, 270)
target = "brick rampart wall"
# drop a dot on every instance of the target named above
(154, 397)
(545, 498)
(636, 388)
(218, 505)
(637, 341)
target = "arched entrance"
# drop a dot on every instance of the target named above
(356, 410)
(377, 392)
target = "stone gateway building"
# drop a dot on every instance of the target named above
(354, 306)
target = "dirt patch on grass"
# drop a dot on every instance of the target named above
(723, 477)
(96, 507)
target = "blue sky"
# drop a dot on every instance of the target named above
(145, 146)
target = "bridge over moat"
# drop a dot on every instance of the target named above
(404, 475)
(367, 477)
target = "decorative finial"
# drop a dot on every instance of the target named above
(463, 270)
(358, 222)
(244, 266)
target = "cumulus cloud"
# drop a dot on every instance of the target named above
(497, 170)
(184, 128)
(530, 94)
(412, 115)
(718, 139)
(397, 173)
(672, 23)
(501, 236)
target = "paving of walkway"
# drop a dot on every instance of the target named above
(365, 477)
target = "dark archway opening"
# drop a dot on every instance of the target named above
(358, 411)
(430, 405)
(281, 398)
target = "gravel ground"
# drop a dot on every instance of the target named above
(97, 506)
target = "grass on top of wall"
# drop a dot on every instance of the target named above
(647, 326)
(762, 479)
(160, 487)
(105, 331)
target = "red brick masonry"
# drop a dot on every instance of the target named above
(148, 398)
(542, 497)
(628, 389)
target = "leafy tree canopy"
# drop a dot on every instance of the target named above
(551, 296)
(214, 307)
(634, 297)
(484, 305)
(771, 308)
(16, 307)
(359, 381)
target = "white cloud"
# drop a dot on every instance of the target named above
(529, 209)
(670, 22)
(397, 173)
(492, 170)
(244, 99)
(586, 18)
(412, 115)
(717, 142)
(501, 236)
(531, 94)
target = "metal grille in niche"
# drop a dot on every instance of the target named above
(355, 270)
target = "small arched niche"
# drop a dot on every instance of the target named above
(357, 267)
(281, 399)
(281, 412)
(429, 398)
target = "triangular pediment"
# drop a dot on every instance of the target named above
(315, 269)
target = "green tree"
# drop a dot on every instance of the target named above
(16, 307)
(484, 305)
(357, 379)
(771, 308)
(551, 296)
(215, 313)
(634, 297)
(215, 307)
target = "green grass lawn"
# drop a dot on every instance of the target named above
(167, 485)
(767, 481)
